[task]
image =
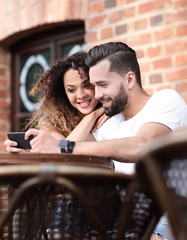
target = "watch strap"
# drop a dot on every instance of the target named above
(71, 146)
(66, 146)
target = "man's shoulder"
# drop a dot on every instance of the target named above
(167, 96)
(165, 92)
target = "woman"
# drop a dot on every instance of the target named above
(66, 97)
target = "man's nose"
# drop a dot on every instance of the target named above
(98, 94)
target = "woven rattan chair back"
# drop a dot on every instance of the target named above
(164, 167)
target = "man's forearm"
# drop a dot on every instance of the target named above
(123, 150)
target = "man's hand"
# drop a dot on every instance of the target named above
(43, 142)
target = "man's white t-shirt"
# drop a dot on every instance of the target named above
(165, 107)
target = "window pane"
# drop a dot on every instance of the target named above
(72, 48)
(32, 66)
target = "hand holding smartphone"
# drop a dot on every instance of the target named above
(19, 137)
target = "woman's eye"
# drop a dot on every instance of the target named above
(71, 90)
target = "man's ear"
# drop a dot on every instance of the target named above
(131, 79)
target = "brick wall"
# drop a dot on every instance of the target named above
(156, 29)
(5, 99)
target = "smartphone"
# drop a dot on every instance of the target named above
(19, 137)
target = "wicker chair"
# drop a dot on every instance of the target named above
(97, 204)
(163, 165)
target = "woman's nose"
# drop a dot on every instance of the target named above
(81, 93)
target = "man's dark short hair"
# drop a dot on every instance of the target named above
(122, 58)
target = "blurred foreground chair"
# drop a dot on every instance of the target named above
(164, 167)
(103, 204)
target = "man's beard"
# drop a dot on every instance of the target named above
(119, 103)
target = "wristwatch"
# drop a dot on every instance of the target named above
(66, 146)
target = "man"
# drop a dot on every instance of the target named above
(136, 118)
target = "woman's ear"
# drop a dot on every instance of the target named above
(131, 79)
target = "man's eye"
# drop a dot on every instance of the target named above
(103, 84)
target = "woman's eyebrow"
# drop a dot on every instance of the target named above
(69, 85)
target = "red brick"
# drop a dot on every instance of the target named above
(3, 136)
(130, 1)
(121, 29)
(154, 51)
(3, 93)
(106, 33)
(140, 24)
(96, 20)
(129, 12)
(4, 125)
(138, 40)
(3, 58)
(4, 104)
(178, 74)
(181, 87)
(2, 71)
(4, 115)
(145, 7)
(144, 66)
(155, 78)
(2, 147)
(181, 30)
(120, 2)
(115, 16)
(96, 6)
(140, 53)
(172, 47)
(4, 82)
(159, 4)
(109, 3)
(181, 60)
(180, 4)
(163, 34)
(175, 16)
(90, 37)
(162, 63)
(156, 20)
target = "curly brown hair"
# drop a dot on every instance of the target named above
(55, 111)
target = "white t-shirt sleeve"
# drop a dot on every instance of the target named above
(168, 108)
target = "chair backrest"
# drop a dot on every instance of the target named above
(73, 202)
(163, 165)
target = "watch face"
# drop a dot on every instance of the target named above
(63, 143)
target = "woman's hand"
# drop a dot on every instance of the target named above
(11, 146)
(100, 118)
